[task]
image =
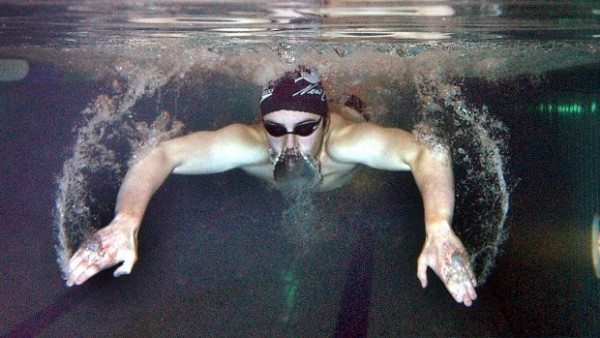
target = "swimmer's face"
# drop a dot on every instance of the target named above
(290, 129)
(295, 139)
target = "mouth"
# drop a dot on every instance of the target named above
(294, 169)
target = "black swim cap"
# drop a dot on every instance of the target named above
(298, 90)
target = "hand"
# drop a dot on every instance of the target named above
(109, 246)
(446, 256)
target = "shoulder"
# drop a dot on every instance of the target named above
(232, 146)
(250, 135)
(370, 144)
(236, 135)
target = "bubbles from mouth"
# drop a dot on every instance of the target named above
(296, 170)
(296, 174)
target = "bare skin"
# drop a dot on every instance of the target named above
(339, 148)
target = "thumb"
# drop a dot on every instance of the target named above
(422, 270)
(126, 267)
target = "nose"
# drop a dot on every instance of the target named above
(291, 141)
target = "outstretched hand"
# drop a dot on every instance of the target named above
(447, 257)
(109, 246)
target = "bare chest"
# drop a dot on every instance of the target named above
(334, 174)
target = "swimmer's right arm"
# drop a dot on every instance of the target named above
(117, 242)
(198, 153)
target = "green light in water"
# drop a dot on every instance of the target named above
(290, 289)
(568, 109)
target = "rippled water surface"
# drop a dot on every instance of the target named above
(66, 22)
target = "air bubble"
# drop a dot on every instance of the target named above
(476, 141)
(341, 52)
(13, 70)
(96, 165)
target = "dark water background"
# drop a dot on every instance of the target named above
(212, 266)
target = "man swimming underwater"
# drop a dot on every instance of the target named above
(299, 142)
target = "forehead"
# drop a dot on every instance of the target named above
(290, 116)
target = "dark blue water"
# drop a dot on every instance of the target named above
(214, 266)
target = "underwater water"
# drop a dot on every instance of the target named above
(89, 87)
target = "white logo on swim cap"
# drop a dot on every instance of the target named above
(313, 88)
(309, 77)
(266, 93)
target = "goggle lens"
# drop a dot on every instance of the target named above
(303, 129)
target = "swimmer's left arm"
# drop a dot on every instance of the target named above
(396, 149)
(443, 251)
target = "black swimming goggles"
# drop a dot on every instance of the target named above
(302, 129)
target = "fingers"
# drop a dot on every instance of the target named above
(106, 248)
(467, 301)
(472, 293)
(463, 292)
(82, 268)
(467, 295)
(447, 257)
(127, 266)
(91, 258)
(422, 271)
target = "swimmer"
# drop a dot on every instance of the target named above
(299, 143)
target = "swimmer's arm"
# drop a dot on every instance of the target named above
(209, 152)
(200, 153)
(117, 242)
(372, 145)
(203, 152)
(443, 251)
(140, 183)
(432, 171)
(395, 149)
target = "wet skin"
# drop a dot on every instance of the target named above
(339, 148)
